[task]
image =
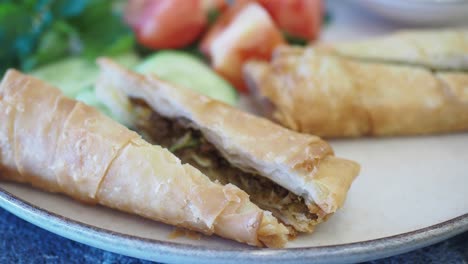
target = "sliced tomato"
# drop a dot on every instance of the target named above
(160, 24)
(299, 18)
(246, 31)
(221, 23)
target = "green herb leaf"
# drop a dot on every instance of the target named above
(55, 43)
(67, 8)
(213, 16)
(37, 32)
(328, 18)
(294, 40)
(186, 141)
(102, 30)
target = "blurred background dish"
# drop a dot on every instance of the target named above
(420, 12)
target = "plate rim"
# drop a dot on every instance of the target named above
(165, 251)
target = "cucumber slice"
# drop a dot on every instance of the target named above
(70, 75)
(185, 70)
(88, 96)
(128, 60)
(76, 77)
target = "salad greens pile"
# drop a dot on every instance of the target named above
(37, 32)
(58, 41)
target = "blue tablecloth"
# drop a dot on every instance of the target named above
(22, 242)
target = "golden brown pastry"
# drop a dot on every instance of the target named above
(293, 175)
(437, 49)
(62, 145)
(315, 92)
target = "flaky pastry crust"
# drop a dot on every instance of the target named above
(65, 146)
(320, 93)
(442, 49)
(301, 163)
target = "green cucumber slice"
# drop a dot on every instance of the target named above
(70, 75)
(88, 96)
(185, 70)
(74, 74)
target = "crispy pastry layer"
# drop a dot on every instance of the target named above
(61, 145)
(445, 49)
(191, 147)
(301, 163)
(316, 92)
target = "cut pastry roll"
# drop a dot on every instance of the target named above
(61, 145)
(317, 92)
(295, 176)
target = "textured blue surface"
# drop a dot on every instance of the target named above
(22, 242)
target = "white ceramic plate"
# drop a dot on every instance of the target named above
(411, 193)
(421, 12)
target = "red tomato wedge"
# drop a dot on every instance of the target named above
(245, 31)
(299, 18)
(161, 24)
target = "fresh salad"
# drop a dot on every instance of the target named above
(198, 44)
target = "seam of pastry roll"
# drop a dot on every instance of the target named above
(456, 93)
(92, 148)
(88, 200)
(119, 152)
(62, 126)
(455, 102)
(446, 87)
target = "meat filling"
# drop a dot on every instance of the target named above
(192, 147)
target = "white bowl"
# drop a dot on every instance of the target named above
(421, 12)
